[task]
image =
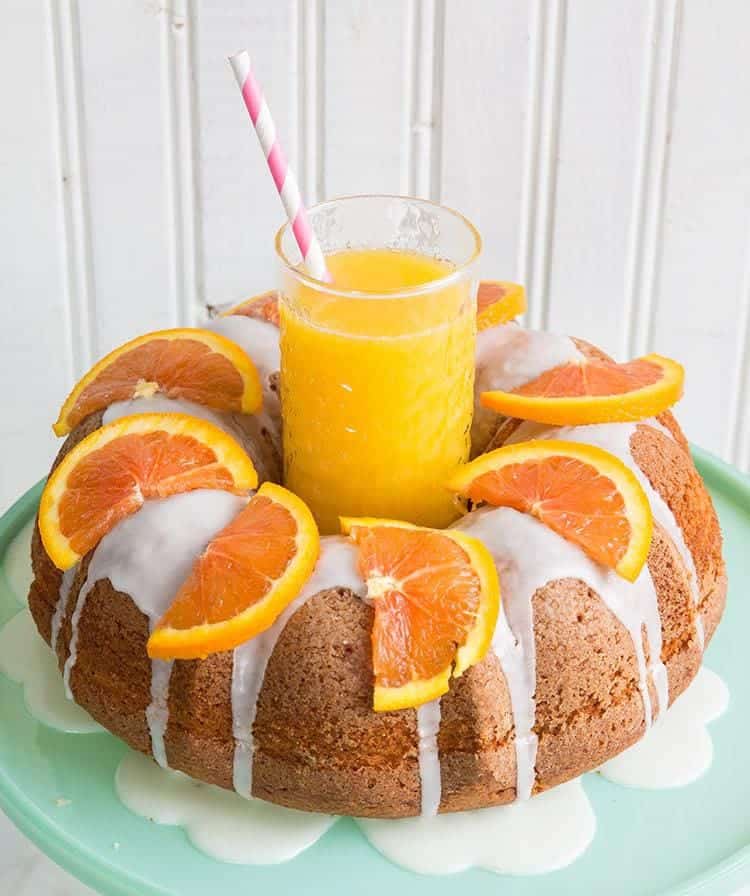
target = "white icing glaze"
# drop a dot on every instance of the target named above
(678, 749)
(508, 357)
(336, 567)
(218, 823)
(517, 655)
(26, 659)
(149, 555)
(428, 726)
(528, 555)
(234, 425)
(157, 712)
(160, 404)
(615, 438)
(66, 583)
(16, 565)
(531, 837)
(258, 338)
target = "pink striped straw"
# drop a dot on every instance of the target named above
(283, 177)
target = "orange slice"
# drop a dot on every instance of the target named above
(263, 307)
(110, 473)
(436, 597)
(594, 391)
(243, 580)
(583, 493)
(499, 301)
(193, 364)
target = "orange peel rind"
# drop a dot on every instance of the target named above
(594, 391)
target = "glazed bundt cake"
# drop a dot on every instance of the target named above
(582, 661)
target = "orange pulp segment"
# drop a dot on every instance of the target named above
(594, 391)
(262, 307)
(436, 597)
(582, 492)
(110, 473)
(193, 364)
(499, 301)
(244, 579)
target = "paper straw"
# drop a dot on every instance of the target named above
(283, 177)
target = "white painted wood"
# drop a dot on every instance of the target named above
(582, 277)
(701, 290)
(367, 82)
(660, 71)
(125, 127)
(36, 331)
(602, 148)
(422, 108)
(178, 48)
(485, 113)
(240, 208)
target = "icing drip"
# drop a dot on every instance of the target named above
(66, 583)
(528, 555)
(615, 438)
(428, 726)
(336, 568)
(517, 655)
(148, 556)
(508, 357)
(157, 712)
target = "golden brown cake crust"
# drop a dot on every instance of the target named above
(321, 747)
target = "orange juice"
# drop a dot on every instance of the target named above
(377, 375)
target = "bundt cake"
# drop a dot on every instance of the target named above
(582, 662)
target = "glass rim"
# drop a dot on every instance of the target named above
(454, 276)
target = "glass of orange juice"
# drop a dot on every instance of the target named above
(377, 365)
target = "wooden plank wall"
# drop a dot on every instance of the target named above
(602, 148)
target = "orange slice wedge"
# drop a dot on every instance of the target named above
(582, 492)
(244, 579)
(110, 473)
(193, 364)
(499, 301)
(262, 307)
(436, 597)
(594, 391)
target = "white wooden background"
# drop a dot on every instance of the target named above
(603, 147)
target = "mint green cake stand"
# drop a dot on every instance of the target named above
(693, 840)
